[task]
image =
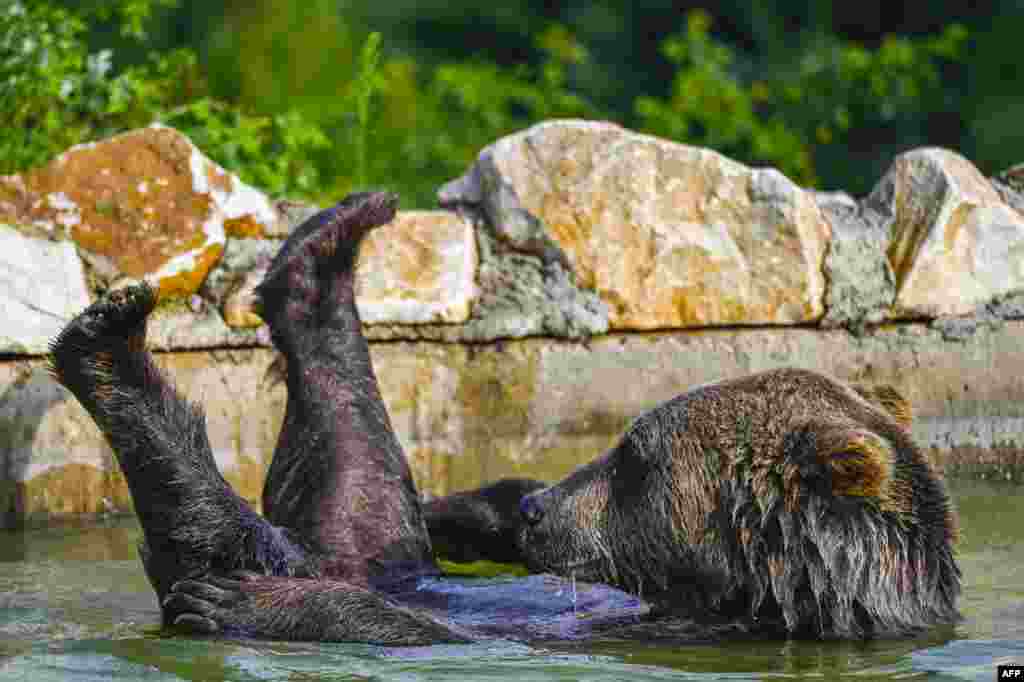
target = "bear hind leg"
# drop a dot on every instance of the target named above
(193, 522)
(338, 478)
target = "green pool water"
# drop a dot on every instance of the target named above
(74, 605)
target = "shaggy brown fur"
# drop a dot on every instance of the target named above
(480, 524)
(342, 512)
(784, 501)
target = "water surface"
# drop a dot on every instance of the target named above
(75, 605)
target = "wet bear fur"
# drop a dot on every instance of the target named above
(343, 526)
(783, 502)
(480, 524)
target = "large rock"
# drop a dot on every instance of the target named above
(953, 243)
(568, 230)
(518, 295)
(418, 269)
(146, 203)
(231, 285)
(668, 235)
(55, 464)
(540, 408)
(42, 285)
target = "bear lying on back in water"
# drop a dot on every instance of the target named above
(783, 502)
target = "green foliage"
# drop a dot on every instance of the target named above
(841, 85)
(783, 118)
(287, 99)
(362, 93)
(55, 94)
(133, 16)
(277, 153)
(432, 123)
(390, 122)
(43, 63)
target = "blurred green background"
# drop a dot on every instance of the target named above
(310, 98)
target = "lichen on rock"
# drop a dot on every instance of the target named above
(143, 204)
(861, 284)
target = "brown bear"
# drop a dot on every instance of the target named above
(784, 502)
(342, 552)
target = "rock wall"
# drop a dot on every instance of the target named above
(581, 275)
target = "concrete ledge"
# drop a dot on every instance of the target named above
(467, 414)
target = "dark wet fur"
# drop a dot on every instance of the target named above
(342, 511)
(317, 610)
(480, 524)
(781, 502)
(193, 521)
(364, 521)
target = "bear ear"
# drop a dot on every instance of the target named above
(860, 461)
(855, 461)
(889, 399)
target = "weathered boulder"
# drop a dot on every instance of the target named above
(518, 295)
(569, 230)
(953, 243)
(668, 235)
(146, 203)
(55, 463)
(42, 286)
(420, 268)
(231, 285)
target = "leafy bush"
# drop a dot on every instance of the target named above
(56, 93)
(50, 84)
(783, 119)
(392, 123)
(311, 115)
(430, 123)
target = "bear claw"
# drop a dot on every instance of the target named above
(197, 624)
